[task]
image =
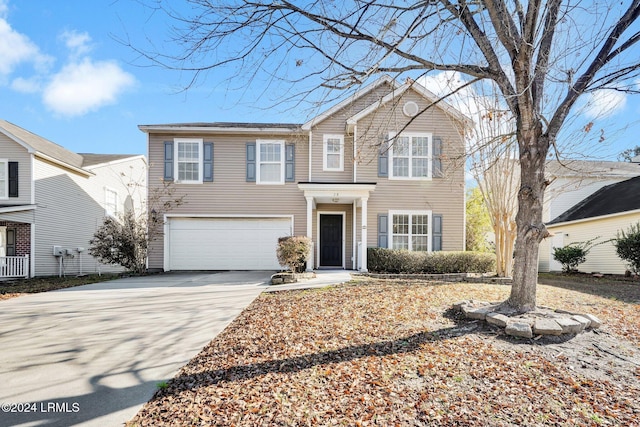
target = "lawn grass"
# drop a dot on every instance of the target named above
(14, 288)
(391, 352)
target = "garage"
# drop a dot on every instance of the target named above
(225, 243)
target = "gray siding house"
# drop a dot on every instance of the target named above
(51, 197)
(378, 169)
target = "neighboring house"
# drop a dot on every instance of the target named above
(52, 198)
(571, 181)
(335, 179)
(602, 214)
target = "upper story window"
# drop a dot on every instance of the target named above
(110, 201)
(270, 161)
(188, 163)
(333, 153)
(4, 179)
(410, 156)
(410, 230)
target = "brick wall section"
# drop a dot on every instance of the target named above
(23, 236)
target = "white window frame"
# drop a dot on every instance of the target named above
(393, 138)
(177, 142)
(260, 162)
(325, 152)
(411, 213)
(107, 205)
(4, 180)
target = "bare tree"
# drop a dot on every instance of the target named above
(541, 55)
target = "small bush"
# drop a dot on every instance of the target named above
(293, 252)
(570, 257)
(382, 260)
(628, 246)
(574, 254)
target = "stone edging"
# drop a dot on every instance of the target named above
(542, 321)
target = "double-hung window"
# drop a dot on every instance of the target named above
(188, 160)
(410, 156)
(110, 201)
(4, 179)
(410, 230)
(271, 161)
(333, 153)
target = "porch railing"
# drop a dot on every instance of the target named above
(14, 266)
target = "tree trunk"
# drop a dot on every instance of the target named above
(531, 230)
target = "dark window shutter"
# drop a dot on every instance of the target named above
(383, 157)
(13, 179)
(436, 243)
(290, 163)
(11, 242)
(383, 230)
(207, 162)
(436, 169)
(251, 162)
(168, 161)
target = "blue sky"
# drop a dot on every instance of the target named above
(64, 76)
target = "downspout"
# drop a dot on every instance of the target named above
(355, 163)
(310, 156)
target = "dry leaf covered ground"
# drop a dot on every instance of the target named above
(390, 352)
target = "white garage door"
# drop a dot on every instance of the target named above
(225, 243)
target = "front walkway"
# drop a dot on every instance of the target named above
(92, 355)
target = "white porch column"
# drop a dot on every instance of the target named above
(363, 264)
(312, 256)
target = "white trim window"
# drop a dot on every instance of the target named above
(410, 230)
(4, 179)
(333, 153)
(410, 156)
(188, 163)
(110, 201)
(270, 159)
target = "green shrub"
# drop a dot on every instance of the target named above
(628, 246)
(574, 254)
(570, 257)
(382, 260)
(293, 252)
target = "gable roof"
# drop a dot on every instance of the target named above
(39, 145)
(51, 151)
(385, 79)
(611, 199)
(591, 169)
(90, 159)
(423, 91)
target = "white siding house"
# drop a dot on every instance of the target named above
(59, 198)
(571, 182)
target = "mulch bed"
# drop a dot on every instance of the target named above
(391, 352)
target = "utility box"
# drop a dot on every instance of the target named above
(58, 251)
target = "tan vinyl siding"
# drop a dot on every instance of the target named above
(601, 258)
(229, 193)
(443, 196)
(70, 209)
(336, 125)
(14, 152)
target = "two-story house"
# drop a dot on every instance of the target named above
(52, 200)
(383, 168)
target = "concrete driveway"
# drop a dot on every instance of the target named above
(92, 355)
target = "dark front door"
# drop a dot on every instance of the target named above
(330, 240)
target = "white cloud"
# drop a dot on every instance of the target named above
(16, 49)
(604, 103)
(77, 43)
(4, 8)
(85, 86)
(23, 85)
